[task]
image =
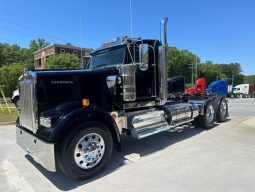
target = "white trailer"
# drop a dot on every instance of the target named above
(241, 91)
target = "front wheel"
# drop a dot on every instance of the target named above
(85, 151)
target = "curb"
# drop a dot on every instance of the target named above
(8, 123)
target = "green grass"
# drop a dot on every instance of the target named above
(6, 116)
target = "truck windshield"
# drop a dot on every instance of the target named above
(211, 85)
(107, 58)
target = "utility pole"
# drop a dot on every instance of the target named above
(196, 68)
(192, 74)
(218, 73)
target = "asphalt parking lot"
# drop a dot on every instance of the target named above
(184, 159)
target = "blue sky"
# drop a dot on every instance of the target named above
(222, 31)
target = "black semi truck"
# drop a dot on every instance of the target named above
(74, 119)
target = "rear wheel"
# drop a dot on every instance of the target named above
(223, 111)
(85, 151)
(207, 120)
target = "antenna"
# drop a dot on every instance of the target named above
(131, 19)
(118, 22)
(160, 32)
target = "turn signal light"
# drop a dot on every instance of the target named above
(85, 102)
(125, 38)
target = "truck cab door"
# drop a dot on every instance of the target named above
(145, 76)
(144, 70)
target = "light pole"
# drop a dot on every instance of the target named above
(192, 74)
(196, 67)
(193, 71)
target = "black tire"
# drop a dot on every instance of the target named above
(222, 115)
(66, 153)
(202, 121)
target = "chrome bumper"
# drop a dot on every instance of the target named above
(41, 151)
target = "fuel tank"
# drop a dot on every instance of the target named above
(179, 113)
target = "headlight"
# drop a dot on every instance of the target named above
(45, 121)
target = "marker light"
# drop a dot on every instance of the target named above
(85, 102)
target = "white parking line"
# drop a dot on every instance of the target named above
(16, 181)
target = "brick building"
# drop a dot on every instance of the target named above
(41, 55)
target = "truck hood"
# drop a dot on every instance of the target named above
(56, 87)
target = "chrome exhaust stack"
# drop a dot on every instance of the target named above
(164, 30)
(162, 67)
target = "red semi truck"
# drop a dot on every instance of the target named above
(251, 90)
(200, 87)
(218, 87)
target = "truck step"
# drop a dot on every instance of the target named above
(142, 132)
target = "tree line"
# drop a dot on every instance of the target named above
(181, 62)
(14, 59)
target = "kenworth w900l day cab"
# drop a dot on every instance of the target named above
(74, 118)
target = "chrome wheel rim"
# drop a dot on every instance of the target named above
(223, 109)
(210, 114)
(89, 151)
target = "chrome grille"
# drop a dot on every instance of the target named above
(129, 85)
(28, 105)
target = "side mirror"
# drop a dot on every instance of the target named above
(143, 56)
